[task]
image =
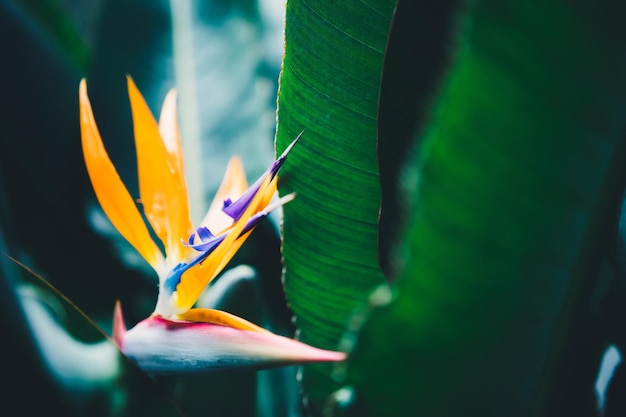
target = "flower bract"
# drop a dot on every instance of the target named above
(178, 338)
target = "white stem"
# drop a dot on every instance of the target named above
(280, 202)
(184, 75)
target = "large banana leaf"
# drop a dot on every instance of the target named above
(329, 88)
(515, 195)
(517, 192)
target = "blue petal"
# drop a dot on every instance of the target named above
(204, 234)
(175, 275)
(237, 208)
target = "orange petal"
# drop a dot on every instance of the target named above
(161, 181)
(114, 198)
(269, 192)
(233, 185)
(208, 315)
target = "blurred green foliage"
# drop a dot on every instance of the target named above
(457, 221)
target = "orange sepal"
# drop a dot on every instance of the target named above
(114, 198)
(211, 316)
(161, 183)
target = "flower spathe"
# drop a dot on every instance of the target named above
(206, 338)
(174, 347)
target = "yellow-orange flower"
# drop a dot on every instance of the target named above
(191, 259)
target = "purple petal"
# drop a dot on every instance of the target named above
(165, 347)
(207, 239)
(281, 159)
(175, 275)
(236, 208)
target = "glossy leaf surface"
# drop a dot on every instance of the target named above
(520, 176)
(329, 88)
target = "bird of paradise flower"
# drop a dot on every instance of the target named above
(178, 338)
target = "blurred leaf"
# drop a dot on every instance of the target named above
(520, 176)
(329, 88)
(615, 404)
(59, 25)
(22, 366)
(93, 376)
(42, 165)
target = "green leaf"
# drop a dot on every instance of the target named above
(520, 176)
(329, 88)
